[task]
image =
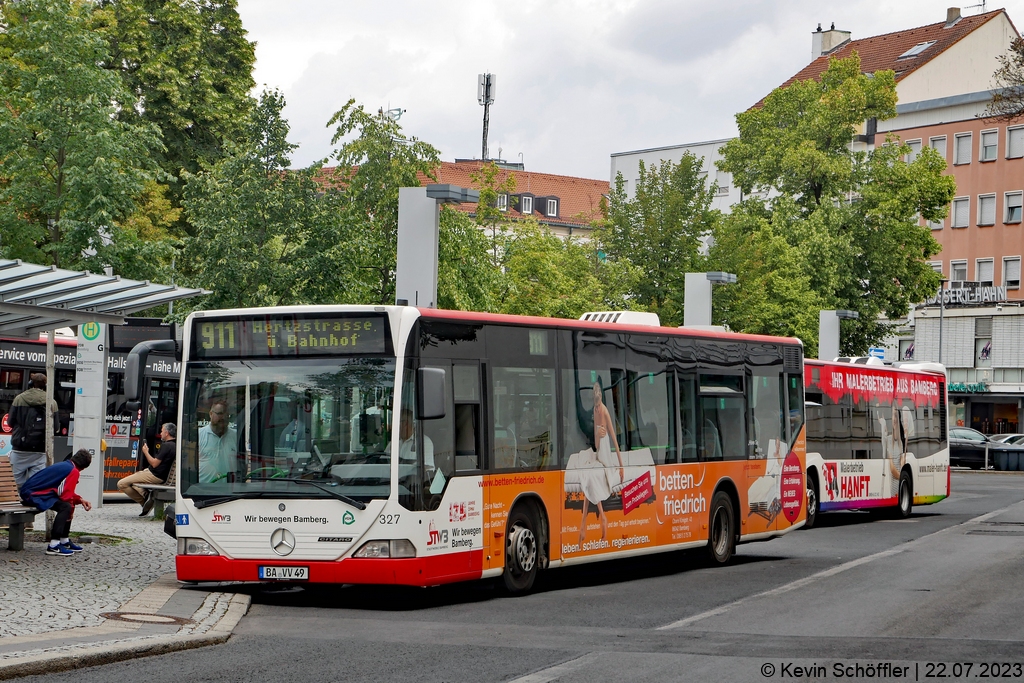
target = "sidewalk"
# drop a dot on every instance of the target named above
(117, 599)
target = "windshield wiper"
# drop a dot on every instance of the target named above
(219, 500)
(358, 504)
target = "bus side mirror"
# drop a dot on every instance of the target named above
(430, 393)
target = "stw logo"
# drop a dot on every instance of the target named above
(220, 519)
(437, 537)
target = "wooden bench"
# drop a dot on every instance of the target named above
(12, 512)
(162, 493)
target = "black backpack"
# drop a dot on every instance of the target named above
(32, 437)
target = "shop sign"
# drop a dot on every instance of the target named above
(969, 296)
(973, 388)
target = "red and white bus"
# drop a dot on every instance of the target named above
(522, 443)
(876, 437)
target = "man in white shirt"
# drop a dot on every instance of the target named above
(407, 442)
(218, 445)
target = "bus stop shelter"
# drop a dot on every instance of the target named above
(36, 298)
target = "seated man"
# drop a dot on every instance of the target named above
(218, 445)
(157, 472)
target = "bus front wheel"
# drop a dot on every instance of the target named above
(812, 499)
(722, 529)
(522, 551)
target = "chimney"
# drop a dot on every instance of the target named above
(952, 16)
(823, 42)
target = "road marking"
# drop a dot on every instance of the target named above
(838, 569)
(555, 672)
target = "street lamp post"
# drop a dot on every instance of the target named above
(942, 310)
(828, 332)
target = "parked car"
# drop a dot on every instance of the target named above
(1008, 438)
(967, 449)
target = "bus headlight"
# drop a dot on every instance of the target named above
(196, 546)
(380, 549)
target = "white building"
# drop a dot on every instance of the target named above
(628, 164)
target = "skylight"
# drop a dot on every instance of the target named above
(917, 49)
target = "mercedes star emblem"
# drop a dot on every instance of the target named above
(282, 541)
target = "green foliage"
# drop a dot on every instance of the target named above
(466, 277)
(188, 68)
(659, 232)
(373, 161)
(70, 172)
(265, 235)
(844, 224)
(1008, 95)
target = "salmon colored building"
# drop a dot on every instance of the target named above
(944, 83)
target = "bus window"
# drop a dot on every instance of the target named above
(437, 448)
(591, 360)
(650, 400)
(687, 419)
(466, 380)
(523, 404)
(766, 405)
(795, 386)
(722, 420)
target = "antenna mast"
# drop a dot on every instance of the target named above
(485, 87)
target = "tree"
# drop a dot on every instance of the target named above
(855, 214)
(70, 171)
(374, 160)
(266, 235)
(1008, 98)
(659, 231)
(466, 277)
(188, 68)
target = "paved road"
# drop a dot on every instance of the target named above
(854, 592)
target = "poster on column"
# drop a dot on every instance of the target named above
(90, 407)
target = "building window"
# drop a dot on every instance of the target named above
(722, 180)
(984, 271)
(552, 207)
(939, 145)
(502, 202)
(1015, 142)
(962, 150)
(527, 205)
(1013, 207)
(936, 266)
(989, 145)
(961, 212)
(983, 342)
(958, 271)
(986, 209)
(906, 349)
(936, 225)
(915, 150)
(1011, 272)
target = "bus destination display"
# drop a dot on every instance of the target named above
(292, 336)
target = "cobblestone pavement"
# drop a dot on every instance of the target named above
(41, 593)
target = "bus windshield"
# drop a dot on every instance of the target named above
(287, 429)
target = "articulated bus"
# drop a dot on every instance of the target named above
(21, 357)
(397, 445)
(876, 437)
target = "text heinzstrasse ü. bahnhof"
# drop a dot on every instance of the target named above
(298, 336)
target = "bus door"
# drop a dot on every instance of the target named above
(768, 443)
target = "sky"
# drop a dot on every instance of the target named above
(576, 80)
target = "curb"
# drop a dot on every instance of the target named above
(117, 650)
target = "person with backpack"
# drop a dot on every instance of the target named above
(54, 487)
(28, 421)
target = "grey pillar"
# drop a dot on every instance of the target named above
(416, 276)
(697, 300)
(828, 335)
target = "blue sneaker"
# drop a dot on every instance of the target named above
(72, 546)
(59, 550)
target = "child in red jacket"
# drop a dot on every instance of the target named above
(54, 487)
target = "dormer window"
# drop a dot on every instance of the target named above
(916, 50)
(502, 202)
(552, 208)
(526, 205)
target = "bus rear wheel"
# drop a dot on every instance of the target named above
(905, 502)
(812, 499)
(722, 529)
(522, 551)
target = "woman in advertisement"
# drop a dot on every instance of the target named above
(894, 446)
(597, 468)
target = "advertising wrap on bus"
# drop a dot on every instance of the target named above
(873, 429)
(438, 446)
